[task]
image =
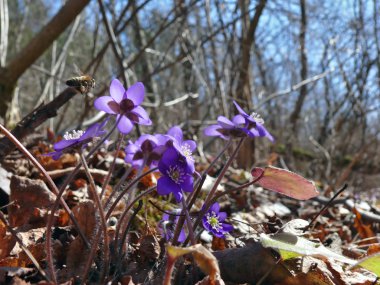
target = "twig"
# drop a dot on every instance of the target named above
(325, 207)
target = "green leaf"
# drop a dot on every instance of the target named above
(371, 263)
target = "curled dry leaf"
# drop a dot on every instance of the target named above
(203, 257)
(285, 182)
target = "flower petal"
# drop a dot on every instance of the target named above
(136, 93)
(241, 111)
(165, 185)
(170, 156)
(187, 184)
(90, 132)
(206, 225)
(178, 196)
(214, 208)
(222, 216)
(106, 104)
(176, 132)
(191, 144)
(212, 131)
(263, 132)
(225, 123)
(227, 227)
(238, 120)
(182, 236)
(64, 144)
(125, 125)
(117, 90)
(142, 115)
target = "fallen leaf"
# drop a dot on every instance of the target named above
(371, 263)
(290, 246)
(203, 257)
(285, 182)
(27, 195)
(77, 253)
(366, 233)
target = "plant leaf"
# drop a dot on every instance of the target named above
(203, 257)
(371, 263)
(288, 244)
(285, 182)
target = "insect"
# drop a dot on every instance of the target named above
(82, 83)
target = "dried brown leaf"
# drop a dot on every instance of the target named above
(27, 195)
(149, 248)
(366, 233)
(77, 253)
(203, 257)
(7, 241)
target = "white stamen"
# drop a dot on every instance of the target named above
(186, 151)
(213, 220)
(258, 118)
(175, 174)
(73, 135)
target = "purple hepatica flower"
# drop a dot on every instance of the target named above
(254, 123)
(176, 174)
(226, 129)
(125, 104)
(185, 148)
(147, 148)
(213, 221)
(167, 225)
(77, 139)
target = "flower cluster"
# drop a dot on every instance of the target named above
(170, 152)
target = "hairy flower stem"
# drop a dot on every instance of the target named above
(108, 215)
(50, 220)
(193, 196)
(125, 233)
(213, 190)
(117, 186)
(108, 178)
(103, 221)
(188, 222)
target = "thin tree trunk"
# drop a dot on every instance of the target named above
(294, 117)
(35, 48)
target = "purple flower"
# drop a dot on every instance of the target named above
(242, 125)
(147, 148)
(125, 104)
(213, 221)
(226, 129)
(185, 148)
(176, 174)
(77, 139)
(254, 123)
(167, 225)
